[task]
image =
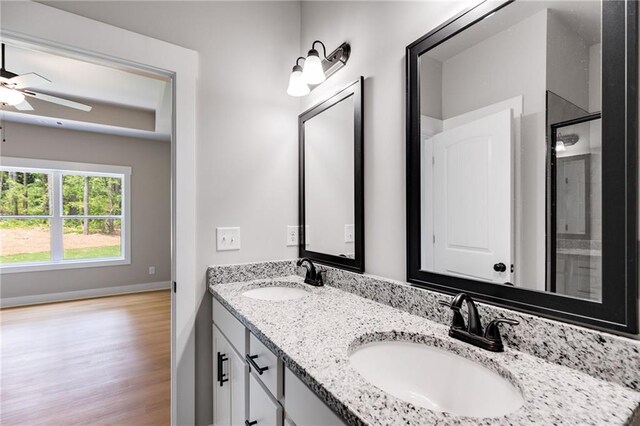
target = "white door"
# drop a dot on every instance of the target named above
(472, 199)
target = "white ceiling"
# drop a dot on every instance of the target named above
(74, 78)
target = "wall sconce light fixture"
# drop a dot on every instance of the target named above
(297, 85)
(316, 70)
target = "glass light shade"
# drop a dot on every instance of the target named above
(297, 85)
(313, 72)
(10, 97)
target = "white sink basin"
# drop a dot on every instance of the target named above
(435, 379)
(276, 293)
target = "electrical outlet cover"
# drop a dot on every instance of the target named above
(292, 235)
(228, 239)
(349, 231)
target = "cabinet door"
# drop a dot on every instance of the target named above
(221, 387)
(238, 371)
(262, 408)
(303, 407)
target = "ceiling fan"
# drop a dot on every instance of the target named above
(14, 88)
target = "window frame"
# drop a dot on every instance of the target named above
(56, 169)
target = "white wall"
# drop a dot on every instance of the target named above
(150, 163)
(567, 51)
(431, 84)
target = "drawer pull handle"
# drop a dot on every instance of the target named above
(221, 376)
(250, 360)
(248, 423)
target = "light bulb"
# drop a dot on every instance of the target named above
(297, 85)
(10, 96)
(313, 72)
(560, 146)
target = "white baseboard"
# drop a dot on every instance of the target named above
(6, 302)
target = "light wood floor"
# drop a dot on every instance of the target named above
(99, 361)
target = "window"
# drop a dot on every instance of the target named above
(60, 215)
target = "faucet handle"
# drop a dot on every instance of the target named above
(493, 330)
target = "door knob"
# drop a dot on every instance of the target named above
(500, 267)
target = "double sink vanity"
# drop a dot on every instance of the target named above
(327, 356)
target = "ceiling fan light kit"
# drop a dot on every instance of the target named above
(10, 97)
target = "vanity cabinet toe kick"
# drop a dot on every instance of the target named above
(251, 384)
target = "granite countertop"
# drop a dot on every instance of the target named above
(314, 336)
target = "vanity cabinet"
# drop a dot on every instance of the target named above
(230, 372)
(251, 383)
(263, 408)
(304, 407)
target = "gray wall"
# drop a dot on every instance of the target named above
(150, 163)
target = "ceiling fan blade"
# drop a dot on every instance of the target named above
(24, 106)
(59, 101)
(28, 80)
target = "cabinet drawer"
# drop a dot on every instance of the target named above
(303, 407)
(263, 409)
(263, 357)
(232, 329)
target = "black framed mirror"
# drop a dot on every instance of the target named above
(522, 184)
(331, 180)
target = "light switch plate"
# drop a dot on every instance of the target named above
(152, 270)
(292, 236)
(227, 239)
(349, 231)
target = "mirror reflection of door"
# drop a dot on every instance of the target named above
(501, 202)
(471, 175)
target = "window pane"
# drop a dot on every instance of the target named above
(91, 195)
(105, 196)
(73, 190)
(24, 241)
(23, 193)
(91, 238)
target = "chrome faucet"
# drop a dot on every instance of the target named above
(472, 333)
(313, 276)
